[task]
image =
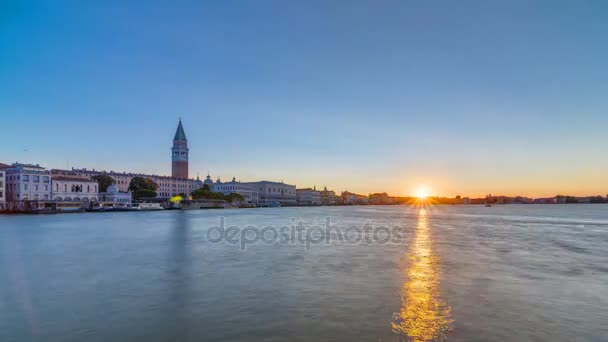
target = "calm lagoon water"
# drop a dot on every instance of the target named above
(459, 273)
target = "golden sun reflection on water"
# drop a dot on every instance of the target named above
(424, 316)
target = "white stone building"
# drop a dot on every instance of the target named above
(275, 193)
(2, 190)
(308, 196)
(26, 182)
(247, 190)
(75, 189)
(328, 197)
(113, 195)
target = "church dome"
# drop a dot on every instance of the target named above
(112, 189)
(209, 181)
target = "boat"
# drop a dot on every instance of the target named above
(69, 207)
(145, 207)
(99, 207)
(488, 205)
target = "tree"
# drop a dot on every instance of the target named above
(234, 197)
(203, 193)
(143, 187)
(206, 187)
(104, 182)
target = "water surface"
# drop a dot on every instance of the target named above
(461, 273)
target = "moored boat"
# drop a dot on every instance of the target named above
(145, 207)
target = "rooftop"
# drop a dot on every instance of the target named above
(73, 179)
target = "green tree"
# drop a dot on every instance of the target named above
(234, 197)
(203, 193)
(104, 182)
(143, 187)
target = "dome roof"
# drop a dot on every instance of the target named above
(112, 188)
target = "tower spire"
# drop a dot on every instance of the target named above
(179, 153)
(179, 132)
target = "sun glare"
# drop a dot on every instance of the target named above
(422, 193)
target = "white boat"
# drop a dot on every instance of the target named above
(69, 207)
(107, 206)
(145, 207)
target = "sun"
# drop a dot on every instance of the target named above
(422, 193)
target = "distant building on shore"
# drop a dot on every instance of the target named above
(328, 197)
(167, 186)
(75, 189)
(350, 198)
(272, 193)
(113, 195)
(308, 197)
(26, 182)
(248, 190)
(2, 184)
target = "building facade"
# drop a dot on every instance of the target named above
(179, 154)
(167, 186)
(26, 182)
(328, 197)
(350, 198)
(248, 190)
(275, 193)
(308, 196)
(74, 189)
(2, 184)
(113, 195)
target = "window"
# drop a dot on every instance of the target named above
(24, 186)
(36, 179)
(35, 187)
(26, 178)
(45, 179)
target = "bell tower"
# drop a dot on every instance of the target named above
(179, 153)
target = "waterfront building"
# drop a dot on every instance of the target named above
(249, 191)
(114, 195)
(2, 183)
(167, 186)
(26, 182)
(74, 189)
(328, 197)
(179, 153)
(308, 196)
(275, 193)
(353, 199)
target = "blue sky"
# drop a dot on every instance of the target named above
(463, 97)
